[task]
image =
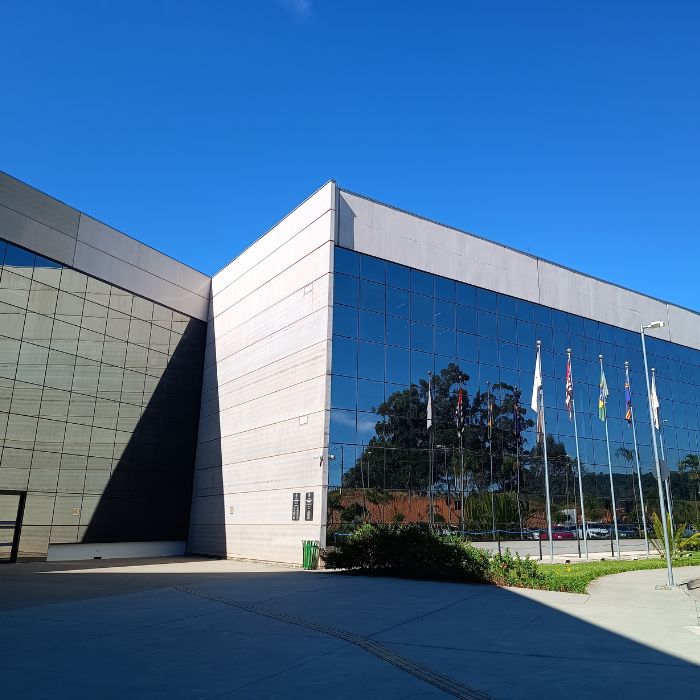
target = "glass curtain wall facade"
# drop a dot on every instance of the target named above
(99, 401)
(392, 325)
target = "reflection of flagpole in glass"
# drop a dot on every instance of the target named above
(571, 405)
(629, 415)
(489, 417)
(516, 428)
(603, 415)
(460, 431)
(429, 426)
(537, 405)
(658, 424)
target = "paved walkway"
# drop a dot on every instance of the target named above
(220, 629)
(568, 550)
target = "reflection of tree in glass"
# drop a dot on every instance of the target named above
(397, 456)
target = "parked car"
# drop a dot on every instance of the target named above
(558, 533)
(596, 531)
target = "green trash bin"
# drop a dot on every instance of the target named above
(310, 554)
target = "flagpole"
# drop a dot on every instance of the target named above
(540, 408)
(607, 441)
(662, 507)
(636, 458)
(489, 418)
(667, 480)
(584, 528)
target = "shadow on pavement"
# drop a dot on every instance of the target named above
(128, 629)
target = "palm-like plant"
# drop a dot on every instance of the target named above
(675, 539)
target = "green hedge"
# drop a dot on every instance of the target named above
(412, 551)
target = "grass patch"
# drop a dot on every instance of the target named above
(411, 551)
(574, 578)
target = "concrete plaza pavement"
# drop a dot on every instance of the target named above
(197, 628)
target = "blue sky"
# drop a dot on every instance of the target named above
(568, 129)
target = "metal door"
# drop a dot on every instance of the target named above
(11, 512)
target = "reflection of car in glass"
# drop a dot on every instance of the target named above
(627, 531)
(558, 533)
(596, 531)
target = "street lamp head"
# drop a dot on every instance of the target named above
(654, 324)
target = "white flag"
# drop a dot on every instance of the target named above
(430, 406)
(537, 384)
(654, 402)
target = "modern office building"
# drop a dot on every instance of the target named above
(146, 408)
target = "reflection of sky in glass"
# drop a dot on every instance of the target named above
(394, 325)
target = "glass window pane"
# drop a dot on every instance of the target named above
(445, 289)
(344, 356)
(466, 319)
(421, 308)
(467, 346)
(19, 258)
(371, 326)
(508, 355)
(398, 365)
(486, 299)
(372, 269)
(344, 321)
(346, 261)
(397, 301)
(488, 324)
(488, 351)
(422, 337)
(343, 427)
(422, 282)
(444, 314)
(372, 296)
(370, 395)
(525, 310)
(397, 331)
(370, 361)
(445, 342)
(421, 364)
(345, 290)
(507, 329)
(46, 263)
(466, 294)
(397, 276)
(343, 392)
(507, 306)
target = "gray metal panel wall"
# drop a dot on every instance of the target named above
(34, 220)
(385, 232)
(36, 205)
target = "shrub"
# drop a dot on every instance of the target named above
(690, 544)
(674, 538)
(409, 551)
(508, 570)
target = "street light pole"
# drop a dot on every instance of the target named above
(669, 565)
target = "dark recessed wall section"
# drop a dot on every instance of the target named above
(99, 403)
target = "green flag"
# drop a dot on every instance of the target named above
(603, 398)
